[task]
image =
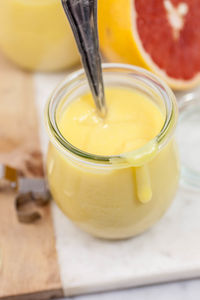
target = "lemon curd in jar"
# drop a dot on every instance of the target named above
(35, 35)
(127, 194)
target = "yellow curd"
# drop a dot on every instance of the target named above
(35, 34)
(132, 120)
(113, 202)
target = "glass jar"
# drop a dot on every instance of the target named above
(102, 194)
(35, 35)
(189, 126)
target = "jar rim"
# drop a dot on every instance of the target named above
(120, 160)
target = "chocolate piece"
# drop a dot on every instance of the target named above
(37, 186)
(29, 191)
(24, 216)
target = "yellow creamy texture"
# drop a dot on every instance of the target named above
(36, 35)
(113, 202)
(132, 120)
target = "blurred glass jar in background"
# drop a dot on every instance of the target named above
(35, 35)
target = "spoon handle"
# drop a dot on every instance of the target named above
(82, 15)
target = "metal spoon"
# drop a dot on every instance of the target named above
(82, 15)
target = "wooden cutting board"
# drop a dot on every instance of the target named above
(28, 260)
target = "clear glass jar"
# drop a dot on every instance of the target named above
(101, 194)
(35, 35)
(189, 126)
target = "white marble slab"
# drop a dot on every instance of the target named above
(182, 290)
(169, 251)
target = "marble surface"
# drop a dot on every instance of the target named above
(169, 251)
(184, 290)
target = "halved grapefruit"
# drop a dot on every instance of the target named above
(160, 35)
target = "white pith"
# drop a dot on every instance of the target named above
(176, 16)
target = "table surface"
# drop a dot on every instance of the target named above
(178, 290)
(183, 290)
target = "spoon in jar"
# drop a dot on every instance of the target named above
(82, 16)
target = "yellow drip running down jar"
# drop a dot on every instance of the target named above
(105, 195)
(35, 35)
